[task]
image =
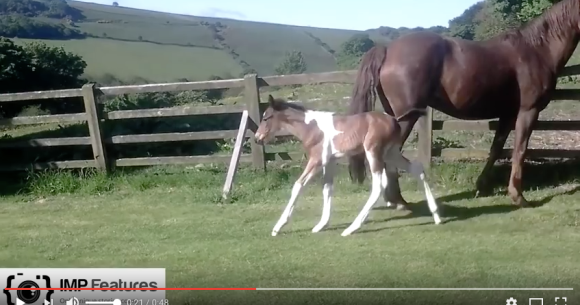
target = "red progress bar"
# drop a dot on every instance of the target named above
(129, 288)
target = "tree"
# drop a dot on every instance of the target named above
(352, 50)
(495, 17)
(115, 3)
(529, 9)
(463, 26)
(36, 66)
(24, 27)
(293, 63)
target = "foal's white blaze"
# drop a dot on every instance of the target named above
(324, 121)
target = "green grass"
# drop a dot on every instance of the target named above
(262, 45)
(172, 218)
(158, 63)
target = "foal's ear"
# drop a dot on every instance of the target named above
(271, 100)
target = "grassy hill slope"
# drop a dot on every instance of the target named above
(160, 47)
(131, 43)
(159, 63)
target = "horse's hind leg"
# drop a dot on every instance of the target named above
(392, 194)
(309, 171)
(376, 165)
(504, 127)
(416, 169)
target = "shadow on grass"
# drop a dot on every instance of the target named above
(537, 173)
(457, 213)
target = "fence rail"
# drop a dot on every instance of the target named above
(95, 118)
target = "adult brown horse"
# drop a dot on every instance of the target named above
(509, 77)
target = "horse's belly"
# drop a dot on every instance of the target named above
(484, 102)
(476, 110)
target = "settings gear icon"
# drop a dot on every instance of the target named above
(511, 301)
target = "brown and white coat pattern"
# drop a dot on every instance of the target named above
(327, 137)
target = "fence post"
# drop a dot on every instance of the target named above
(425, 145)
(252, 96)
(95, 128)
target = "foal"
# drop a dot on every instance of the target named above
(327, 137)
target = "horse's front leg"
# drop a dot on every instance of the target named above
(328, 178)
(524, 127)
(310, 170)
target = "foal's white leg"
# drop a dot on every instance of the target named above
(384, 186)
(416, 169)
(328, 177)
(376, 189)
(384, 182)
(310, 170)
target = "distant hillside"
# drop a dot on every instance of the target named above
(132, 43)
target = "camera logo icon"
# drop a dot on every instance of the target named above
(22, 297)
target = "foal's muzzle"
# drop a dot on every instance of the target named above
(259, 138)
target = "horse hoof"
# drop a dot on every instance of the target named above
(402, 207)
(479, 193)
(274, 233)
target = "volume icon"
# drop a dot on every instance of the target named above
(72, 301)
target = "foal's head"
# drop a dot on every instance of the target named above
(277, 115)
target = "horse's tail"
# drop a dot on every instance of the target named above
(363, 99)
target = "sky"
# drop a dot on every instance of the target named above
(339, 14)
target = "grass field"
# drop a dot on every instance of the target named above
(172, 218)
(159, 63)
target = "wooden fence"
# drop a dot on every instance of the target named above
(251, 84)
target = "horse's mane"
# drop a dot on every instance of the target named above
(554, 23)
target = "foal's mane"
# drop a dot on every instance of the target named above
(553, 23)
(281, 105)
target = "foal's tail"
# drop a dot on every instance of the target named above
(363, 99)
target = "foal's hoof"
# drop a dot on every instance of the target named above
(317, 229)
(347, 232)
(521, 202)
